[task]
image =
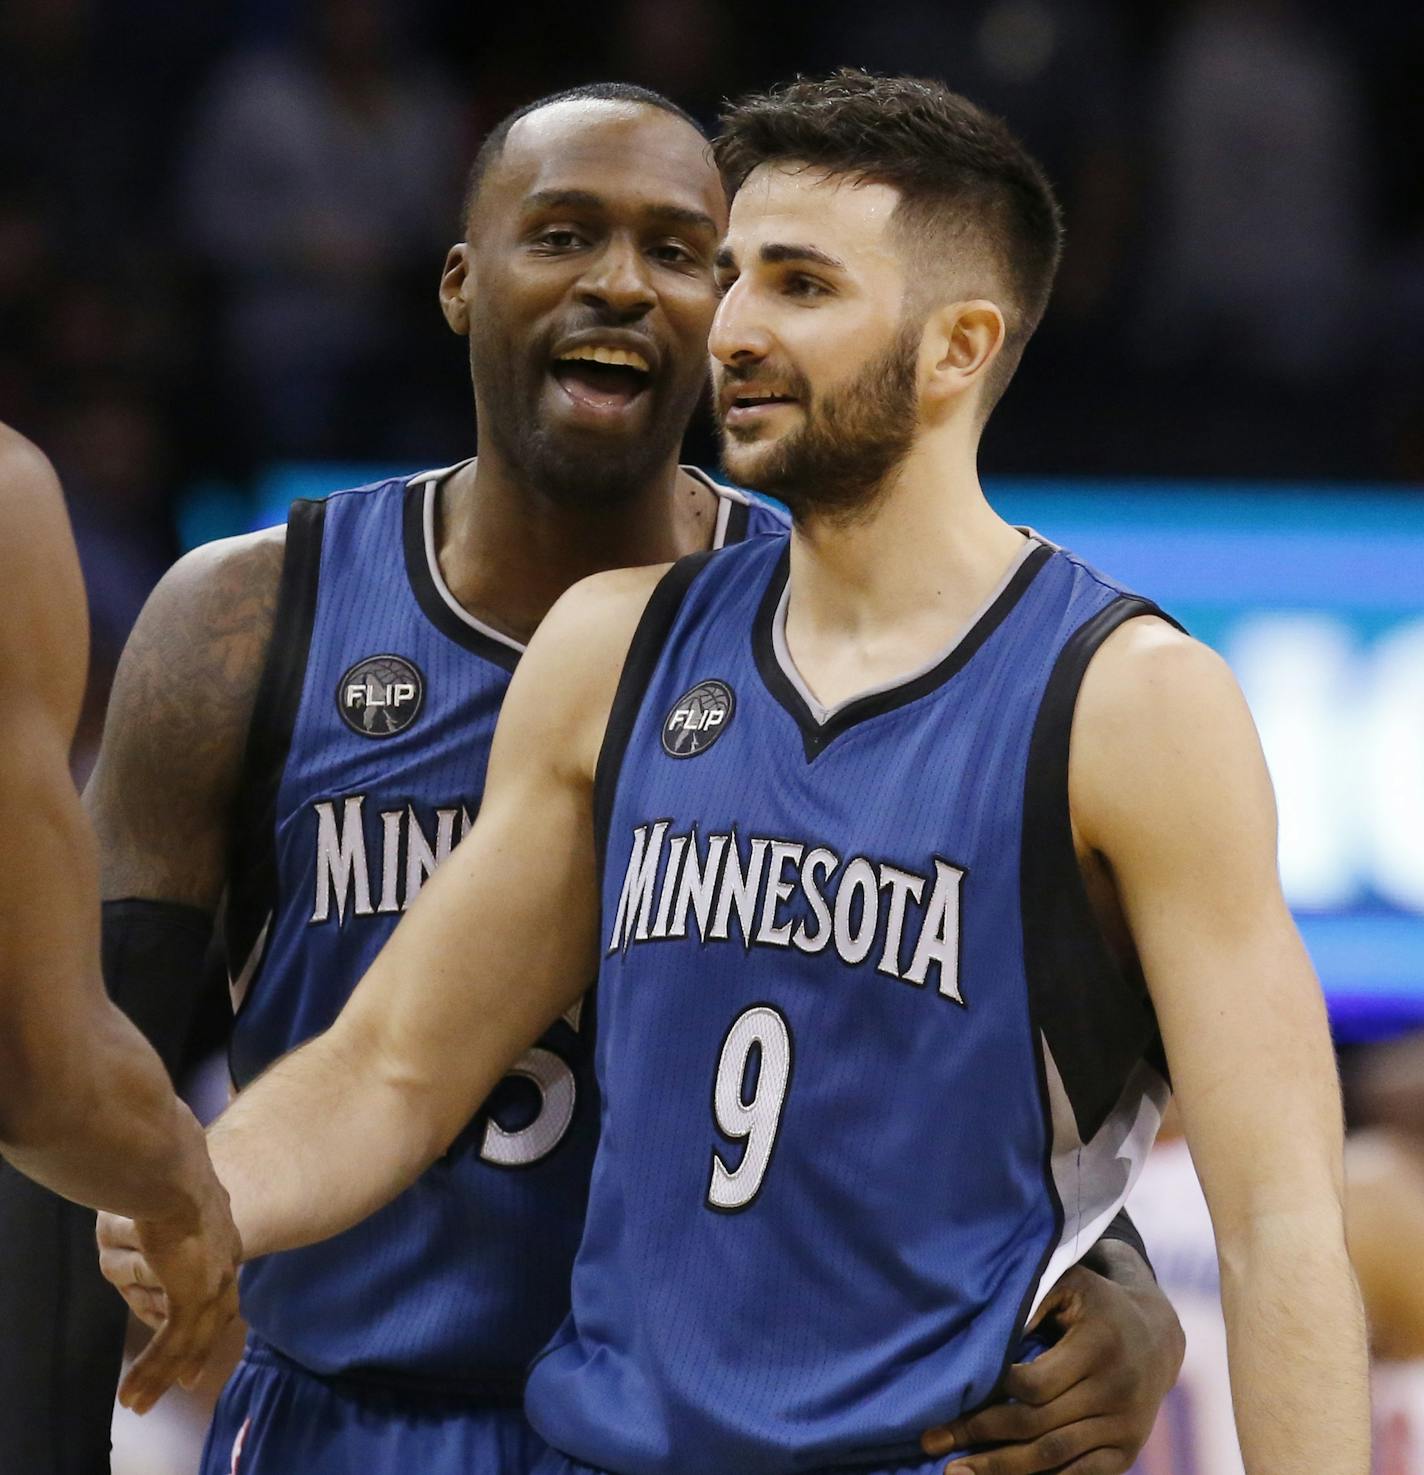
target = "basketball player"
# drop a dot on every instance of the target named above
(302, 719)
(873, 1053)
(85, 1105)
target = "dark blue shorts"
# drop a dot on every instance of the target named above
(274, 1418)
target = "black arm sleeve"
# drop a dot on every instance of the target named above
(1122, 1228)
(61, 1324)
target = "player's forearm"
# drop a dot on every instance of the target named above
(1296, 1337)
(91, 1114)
(319, 1142)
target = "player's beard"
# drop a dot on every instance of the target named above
(572, 471)
(840, 460)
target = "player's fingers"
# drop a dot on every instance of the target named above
(152, 1373)
(151, 1307)
(123, 1268)
(1014, 1423)
(197, 1329)
(1050, 1452)
(1100, 1462)
(1061, 1368)
(115, 1231)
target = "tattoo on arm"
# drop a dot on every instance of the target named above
(171, 759)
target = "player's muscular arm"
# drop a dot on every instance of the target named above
(160, 799)
(162, 791)
(500, 942)
(1168, 785)
(84, 1105)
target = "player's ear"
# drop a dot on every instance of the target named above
(456, 285)
(961, 340)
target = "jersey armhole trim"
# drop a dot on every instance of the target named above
(1076, 987)
(1097, 1020)
(252, 860)
(643, 655)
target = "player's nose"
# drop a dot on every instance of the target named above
(619, 279)
(738, 336)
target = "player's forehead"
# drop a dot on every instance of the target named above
(631, 157)
(791, 204)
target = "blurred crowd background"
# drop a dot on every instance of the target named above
(221, 227)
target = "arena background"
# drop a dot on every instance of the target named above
(221, 228)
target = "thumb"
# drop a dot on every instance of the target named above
(1055, 1303)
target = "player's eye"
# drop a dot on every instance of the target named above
(805, 287)
(675, 253)
(560, 238)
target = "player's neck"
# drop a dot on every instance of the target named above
(874, 599)
(507, 552)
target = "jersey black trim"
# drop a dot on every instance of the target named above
(1098, 1020)
(428, 597)
(638, 668)
(739, 516)
(816, 737)
(252, 858)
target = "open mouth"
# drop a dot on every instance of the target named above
(600, 378)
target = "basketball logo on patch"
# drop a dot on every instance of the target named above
(380, 696)
(698, 719)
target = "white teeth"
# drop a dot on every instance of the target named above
(621, 358)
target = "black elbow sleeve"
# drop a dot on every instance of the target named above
(157, 971)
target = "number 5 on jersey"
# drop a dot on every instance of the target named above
(748, 1092)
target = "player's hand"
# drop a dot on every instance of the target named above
(180, 1277)
(1087, 1405)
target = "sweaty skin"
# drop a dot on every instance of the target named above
(595, 214)
(86, 1107)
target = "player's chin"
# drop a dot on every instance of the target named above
(748, 454)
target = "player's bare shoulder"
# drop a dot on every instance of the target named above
(1162, 735)
(178, 719)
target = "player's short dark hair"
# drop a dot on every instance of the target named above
(962, 175)
(493, 145)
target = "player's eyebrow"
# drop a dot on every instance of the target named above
(776, 253)
(579, 199)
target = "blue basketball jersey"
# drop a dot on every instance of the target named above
(870, 1080)
(365, 765)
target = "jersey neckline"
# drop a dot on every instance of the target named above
(446, 612)
(819, 725)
